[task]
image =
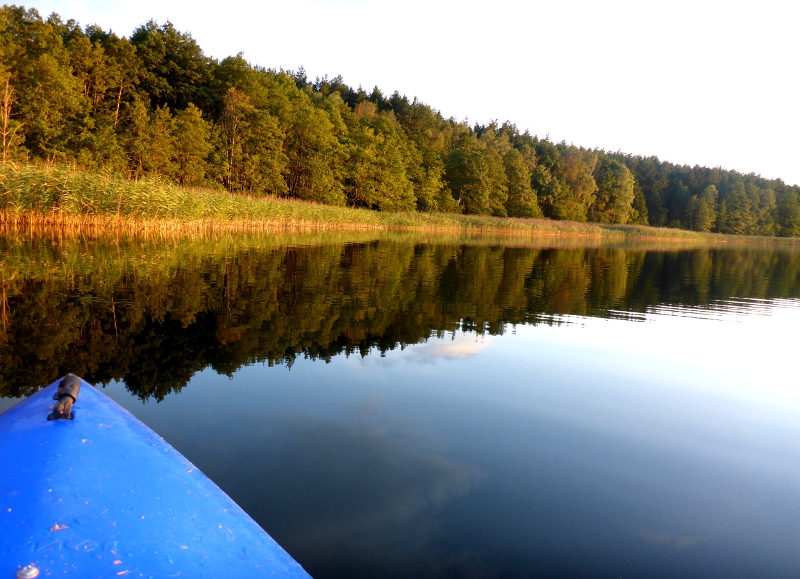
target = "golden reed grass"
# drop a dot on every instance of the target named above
(37, 197)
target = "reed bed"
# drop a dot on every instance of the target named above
(58, 197)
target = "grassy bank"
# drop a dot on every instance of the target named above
(37, 196)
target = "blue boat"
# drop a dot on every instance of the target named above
(87, 490)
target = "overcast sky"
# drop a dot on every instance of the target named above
(704, 82)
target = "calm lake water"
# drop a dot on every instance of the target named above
(396, 407)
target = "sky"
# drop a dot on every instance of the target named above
(704, 82)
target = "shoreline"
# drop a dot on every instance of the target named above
(552, 233)
(34, 197)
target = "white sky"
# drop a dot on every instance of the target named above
(705, 82)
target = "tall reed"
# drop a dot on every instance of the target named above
(57, 196)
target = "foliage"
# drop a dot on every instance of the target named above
(476, 177)
(32, 196)
(613, 202)
(521, 200)
(154, 105)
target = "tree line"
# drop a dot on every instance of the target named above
(153, 104)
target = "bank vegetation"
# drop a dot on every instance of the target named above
(36, 196)
(165, 124)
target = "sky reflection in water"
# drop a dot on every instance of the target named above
(595, 447)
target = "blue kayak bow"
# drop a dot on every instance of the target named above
(87, 490)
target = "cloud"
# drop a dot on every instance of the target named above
(679, 542)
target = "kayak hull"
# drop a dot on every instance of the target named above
(102, 495)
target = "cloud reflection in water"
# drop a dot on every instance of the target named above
(376, 497)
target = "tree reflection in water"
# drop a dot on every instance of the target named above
(153, 313)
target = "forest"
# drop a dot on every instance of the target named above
(155, 105)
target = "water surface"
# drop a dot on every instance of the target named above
(400, 408)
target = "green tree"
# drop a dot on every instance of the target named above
(698, 215)
(652, 179)
(101, 148)
(428, 134)
(641, 215)
(576, 169)
(788, 214)
(49, 104)
(701, 211)
(149, 141)
(613, 202)
(376, 168)
(312, 146)
(563, 181)
(426, 172)
(498, 183)
(314, 156)
(765, 204)
(90, 64)
(175, 70)
(739, 216)
(124, 68)
(476, 177)
(160, 153)
(192, 146)
(11, 136)
(137, 137)
(494, 139)
(521, 200)
(252, 141)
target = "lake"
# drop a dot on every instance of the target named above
(407, 406)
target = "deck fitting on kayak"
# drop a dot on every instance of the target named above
(28, 572)
(67, 395)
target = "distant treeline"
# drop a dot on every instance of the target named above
(155, 104)
(153, 313)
